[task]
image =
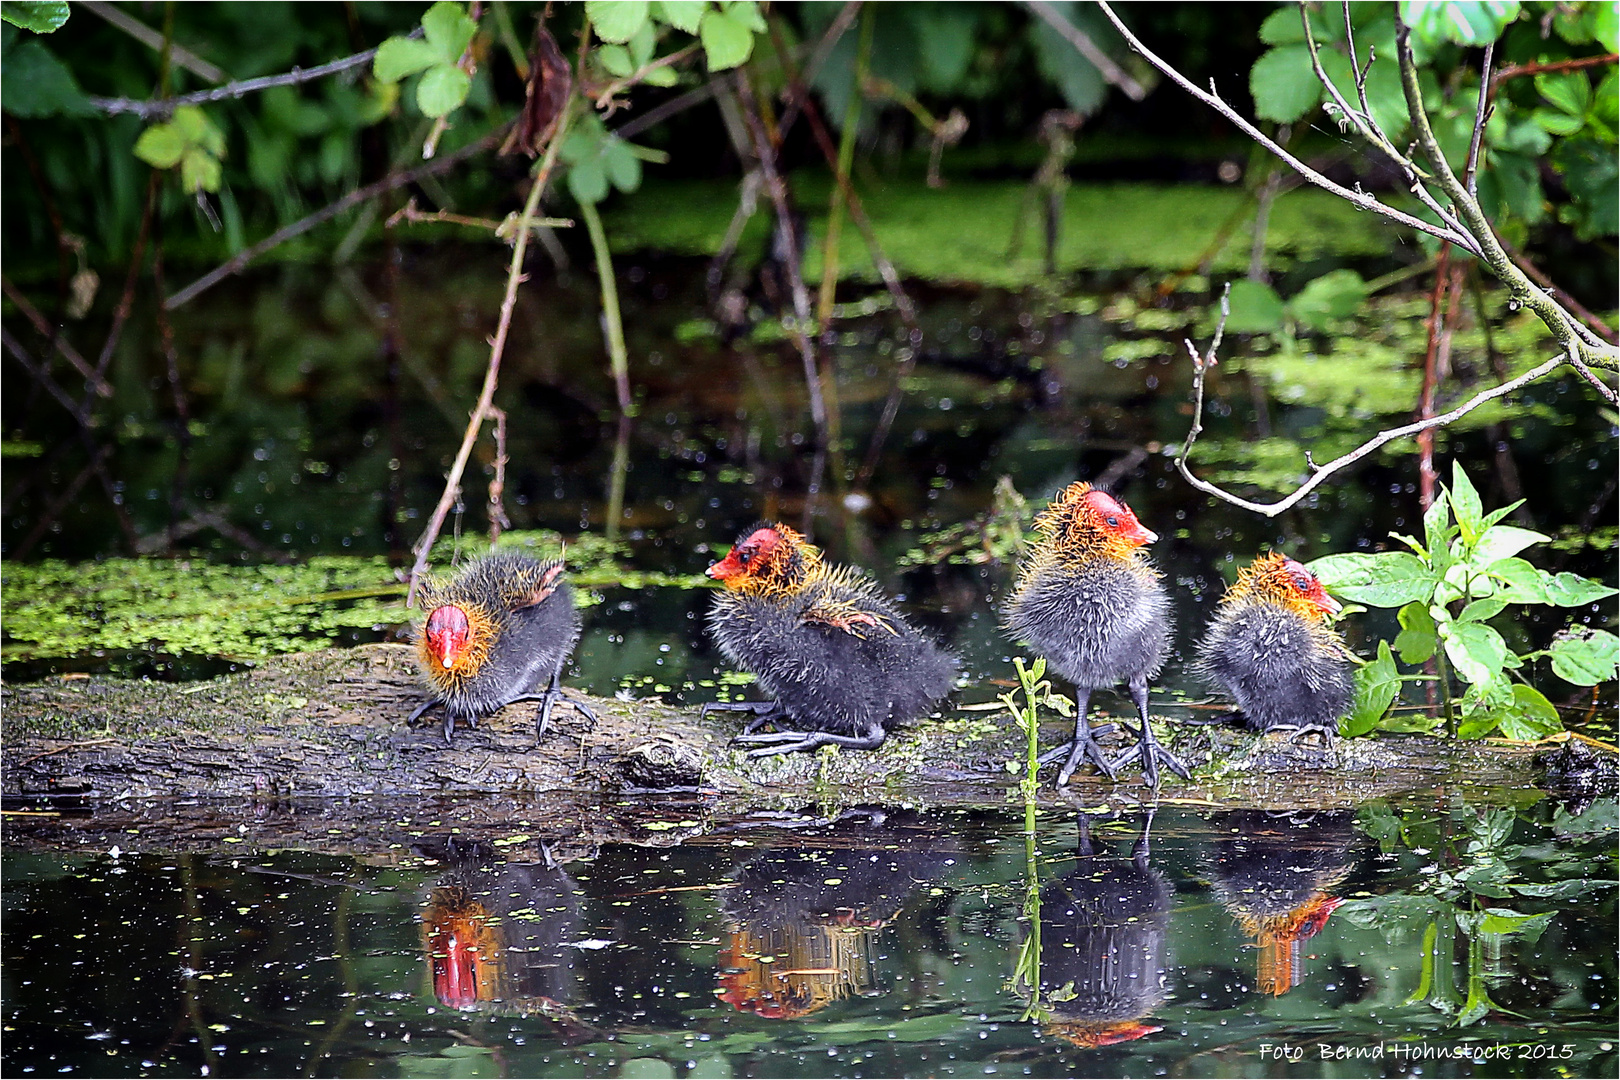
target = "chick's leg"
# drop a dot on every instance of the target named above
(765, 712)
(548, 701)
(1148, 750)
(1083, 747)
(789, 741)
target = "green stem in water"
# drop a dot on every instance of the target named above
(610, 306)
(846, 157)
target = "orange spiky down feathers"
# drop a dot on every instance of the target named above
(1271, 649)
(1083, 522)
(841, 663)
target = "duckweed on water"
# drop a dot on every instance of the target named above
(187, 606)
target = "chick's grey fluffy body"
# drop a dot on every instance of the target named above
(1280, 668)
(529, 645)
(825, 678)
(1100, 623)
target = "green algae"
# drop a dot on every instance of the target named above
(961, 233)
(192, 607)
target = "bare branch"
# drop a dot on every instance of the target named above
(1110, 71)
(1383, 437)
(164, 106)
(153, 40)
(1481, 112)
(237, 263)
(497, 346)
(62, 345)
(1357, 198)
(1524, 291)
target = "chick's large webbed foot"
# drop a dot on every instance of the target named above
(765, 712)
(786, 742)
(1148, 750)
(449, 720)
(548, 701)
(1083, 747)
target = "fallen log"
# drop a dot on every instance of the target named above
(331, 724)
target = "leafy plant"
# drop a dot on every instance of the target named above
(190, 140)
(1466, 571)
(1037, 691)
(447, 30)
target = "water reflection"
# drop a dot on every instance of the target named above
(1275, 872)
(804, 924)
(500, 936)
(875, 944)
(1104, 928)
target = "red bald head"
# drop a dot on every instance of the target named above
(448, 635)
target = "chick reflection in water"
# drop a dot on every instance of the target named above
(805, 923)
(1274, 872)
(1102, 944)
(499, 935)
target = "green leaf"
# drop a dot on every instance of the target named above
(587, 181)
(1481, 610)
(1530, 716)
(1503, 542)
(197, 130)
(1283, 83)
(726, 41)
(664, 76)
(616, 21)
(1282, 27)
(1504, 921)
(401, 56)
(1255, 308)
(1477, 651)
(641, 45)
(160, 146)
(1437, 533)
(1338, 294)
(681, 14)
(442, 90)
(1384, 579)
(1377, 684)
(199, 170)
(1462, 22)
(1557, 123)
(1584, 656)
(745, 12)
(1418, 637)
(449, 30)
(34, 83)
(1572, 590)
(1569, 91)
(1465, 504)
(616, 58)
(1520, 582)
(1606, 26)
(41, 18)
(621, 164)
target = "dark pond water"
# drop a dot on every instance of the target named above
(1182, 942)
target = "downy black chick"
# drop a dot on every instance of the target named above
(1270, 648)
(1089, 601)
(840, 663)
(494, 634)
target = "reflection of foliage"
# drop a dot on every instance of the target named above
(1464, 572)
(994, 537)
(57, 609)
(1473, 889)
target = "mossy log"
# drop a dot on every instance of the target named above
(331, 725)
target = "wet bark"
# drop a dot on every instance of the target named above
(314, 748)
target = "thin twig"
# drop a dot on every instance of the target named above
(1357, 198)
(410, 215)
(835, 31)
(486, 397)
(1514, 71)
(1383, 437)
(42, 375)
(789, 244)
(153, 40)
(127, 300)
(497, 483)
(237, 263)
(69, 353)
(149, 108)
(1481, 112)
(1110, 71)
(618, 86)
